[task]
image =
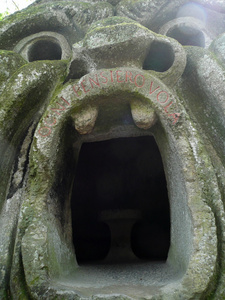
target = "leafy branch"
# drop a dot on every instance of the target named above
(3, 15)
(17, 7)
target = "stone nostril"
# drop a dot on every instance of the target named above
(78, 68)
(45, 50)
(159, 58)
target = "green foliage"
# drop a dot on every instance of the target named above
(13, 6)
(3, 15)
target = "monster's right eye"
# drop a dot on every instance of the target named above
(187, 31)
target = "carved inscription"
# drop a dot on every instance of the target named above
(101, 79)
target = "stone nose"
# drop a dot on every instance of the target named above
(129, 44)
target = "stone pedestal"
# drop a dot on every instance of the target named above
(120, 223)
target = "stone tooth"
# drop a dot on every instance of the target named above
(84, 120)
(143, 115)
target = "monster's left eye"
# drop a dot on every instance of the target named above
(44, 46)
(45, 50)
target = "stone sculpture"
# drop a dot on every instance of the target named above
(69, 71)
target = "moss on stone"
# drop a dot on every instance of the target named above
(10, 63)
(54, 16)
(27, 91)
(111, 21)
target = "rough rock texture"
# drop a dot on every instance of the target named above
(74, 72)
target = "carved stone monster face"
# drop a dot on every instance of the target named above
(94, 90)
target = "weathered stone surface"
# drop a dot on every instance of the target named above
(67, 18)
(85, 119)
(154, 14)
(109, 70)
(218, 47)
(10, 62)
(44, 46)
(144, 116)
(188, 31)
(14, 126)
(116, 42)
(207, 103)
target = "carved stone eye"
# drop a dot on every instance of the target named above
(188, 36)
(45, 50)
(187, 31)
(44, 46)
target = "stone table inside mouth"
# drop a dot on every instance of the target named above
(120, 223)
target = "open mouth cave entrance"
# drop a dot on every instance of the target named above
(119, 203)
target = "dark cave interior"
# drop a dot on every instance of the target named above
(120, 175)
